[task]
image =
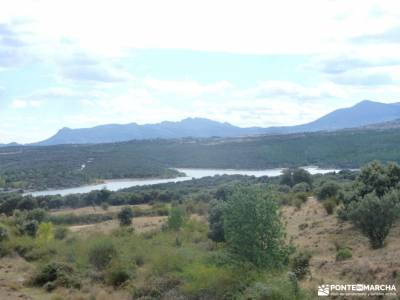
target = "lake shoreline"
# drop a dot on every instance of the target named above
(122, 183)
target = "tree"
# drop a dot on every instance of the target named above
(176, 218)
(216, 221)
(328, 190)
(253, 229)
(27, 203)
(37, 214)
(300, 175)
(301, 187)
(373, 178)
(30, 227)
(292, 177)
(4, 234)
(375, 216)
(101, 253)
(286, 178)
(125, 216)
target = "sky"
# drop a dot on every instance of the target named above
(70, 63)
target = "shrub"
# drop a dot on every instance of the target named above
(56, 274)
(276, 287)
(258, 291)
(45, 232)
(297, 202)
(210, 282)
(4, 235)
(378, 178)
(295, 176)
(327, 190)
(302, 187)
(343, 254)
(70, 219)
(125, 216)
(157, 287)
(375, 216)
(216, 221)
(22, 245)
(139, 260)
(301, 264)
(61, 233)
(101, 253)
(167, 261)
(253, 229)
(303, 226)
(118, 274)
(37, 214)
(283, 188)
(329, 205)
(302, 196)
(105, 206)
(30, 228)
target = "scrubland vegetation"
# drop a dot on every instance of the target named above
(222, 237)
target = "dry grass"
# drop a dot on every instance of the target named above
(141, 224)
(14, 272)
(310, 228)
(324, 233)
(96, 209)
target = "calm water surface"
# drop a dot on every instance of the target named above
(114, 185)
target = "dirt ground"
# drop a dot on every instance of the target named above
(322, 234)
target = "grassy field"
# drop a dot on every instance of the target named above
(308, 227)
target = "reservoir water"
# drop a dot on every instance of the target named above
(114, 185)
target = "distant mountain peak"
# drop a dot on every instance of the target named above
(361, 114)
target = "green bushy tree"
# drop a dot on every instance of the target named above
(125, 216)
(101, 253)
(295, 176)
(45, 232)
(373, 203)
(253, 229)
(375, 216)
(30, 228)
(176, 218)
(328, 189)
(216, 221)
(301, 187)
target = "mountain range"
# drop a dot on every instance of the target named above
(363, 114)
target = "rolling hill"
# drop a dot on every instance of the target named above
(362, 114)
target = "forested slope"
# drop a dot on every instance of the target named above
(68, 165)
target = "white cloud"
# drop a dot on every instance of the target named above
(20, 104)
(294, 91)
(263, 112)
(186, 87)
(251, 26)
(84, 43)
